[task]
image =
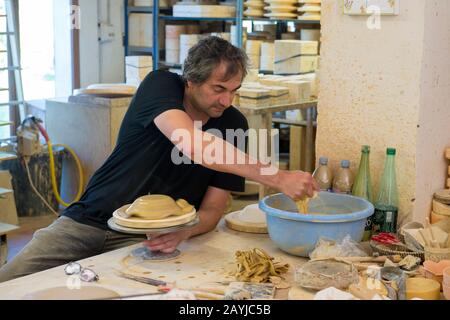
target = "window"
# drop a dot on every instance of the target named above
(4, 94)
(37, 48)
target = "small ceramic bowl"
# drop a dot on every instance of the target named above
(435, 270)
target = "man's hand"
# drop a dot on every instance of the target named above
(167, 243)
(211, 210)
(297, 184)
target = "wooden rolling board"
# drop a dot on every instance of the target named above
(122, 219)
(107, 90)
(238, 222)
(204, 260)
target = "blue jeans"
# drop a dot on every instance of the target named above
(64, 241)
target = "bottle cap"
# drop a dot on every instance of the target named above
(366, 149)
(323, 161)
(345, 164)
(391, 151)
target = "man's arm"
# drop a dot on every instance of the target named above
(210, 212)
(294, 184)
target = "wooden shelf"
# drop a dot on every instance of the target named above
(163, 17)
(282, 20)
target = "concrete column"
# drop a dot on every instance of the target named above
(388, 87)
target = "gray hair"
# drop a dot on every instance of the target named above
(207, 54)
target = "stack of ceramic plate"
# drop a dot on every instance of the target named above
(281, 9)
(255, 8)
(309, 10)
(121, 218)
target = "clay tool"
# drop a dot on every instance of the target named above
(380, 259)
(152, 282)
(389, 239)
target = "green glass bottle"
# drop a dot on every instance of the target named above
(363, 187)
(386, 206)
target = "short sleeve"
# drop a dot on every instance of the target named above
(159, 92)
(227, 181)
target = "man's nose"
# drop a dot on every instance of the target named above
(226, 99)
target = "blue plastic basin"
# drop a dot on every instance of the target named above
(297, 234)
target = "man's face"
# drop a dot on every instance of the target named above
(215, 95)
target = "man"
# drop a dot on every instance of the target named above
(143, 162)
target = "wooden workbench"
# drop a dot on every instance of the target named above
(205, 259)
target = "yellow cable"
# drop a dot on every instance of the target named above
(53, 174)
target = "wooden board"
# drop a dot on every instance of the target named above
(122, 219)
(5, 123)
(447, 153)
(108, 90)
(251, 223)
(7, 228)
(4, 156)
(8, 211)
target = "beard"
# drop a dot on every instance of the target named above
(213, 111)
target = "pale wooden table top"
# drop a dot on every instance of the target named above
(204, 260)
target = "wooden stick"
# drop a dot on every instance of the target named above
(429, 229)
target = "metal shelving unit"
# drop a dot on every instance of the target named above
(166, 15)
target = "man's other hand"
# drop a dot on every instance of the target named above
(167, 243)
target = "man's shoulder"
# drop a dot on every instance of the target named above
(233, 116)
(163, 74)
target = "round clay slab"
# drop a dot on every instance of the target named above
(64, 293)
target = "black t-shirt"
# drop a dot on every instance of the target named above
(141, 163)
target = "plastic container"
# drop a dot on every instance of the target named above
(297, 234)
(323, 175)
(343, 180)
